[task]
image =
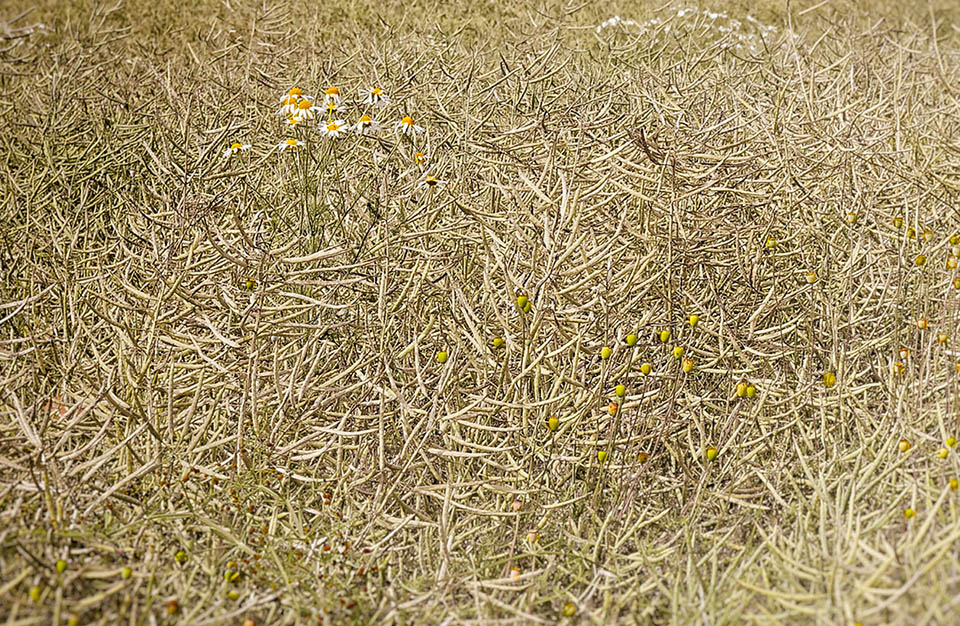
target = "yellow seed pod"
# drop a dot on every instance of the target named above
(678, 352)
(751, 391)
(522, 302)
(442, 356)
(851, 218)
(898, 222)
(694, 320)
(712, 453)
(602, 455)
(909, 513)
(922, 323)
(642, 457)
(569, 609)
(233, 594)
(687, 365)
(829, 379)
(811, 277)
(742, 389)
(620, 390)
(553, 423)
(498, 342)
(631, 340)
(904, 445)
(954, 484)
(943, 452)
(605, 352)
(921, 260)
(951, 442)
(645, 369)
(664, 336)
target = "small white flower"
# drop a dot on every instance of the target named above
(430, 182)
(366, 124)
(235, 148)
(407, 127)
(421, 158)
(332, 96)
(374, 96)
(289, 144)
(305, 110)
(288, 106)
(334, 129)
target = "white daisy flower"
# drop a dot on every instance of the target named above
(235, 148)
(374, 96)
(288, 105)
(421, 158)
(334, 129)
(430, 182)
(332, 96)
(289, 145)
(366, 124)
(305, 110)
(407, 127)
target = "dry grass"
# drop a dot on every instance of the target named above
(219, 369)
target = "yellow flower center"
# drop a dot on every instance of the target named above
(365, 119)
(333, 127)
(293, 93)
(291, 142)
(377, 91)
(235, 146)
(419, 157)
(407, 120)
(304, 105)
(289, 100)
(431, 180)
(333, 91)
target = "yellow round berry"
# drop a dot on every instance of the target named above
(904, 445)
(553, 423)
(180, 556)
(678, 352)
(943, 452)
(233, 594)
(811, 277)
(61, 566)
(687, 365)
(712, 453)
(829, 379)
(694, 320)
(951, 442)
(498, 342)
(664, 336)
(631, 340)
(126, 573)
(522, 302)
(954, 484)
(442, 356)
(605, 352)
(851, 218)
(909, 513)
(751, 391)
(569, 609)
(742, 389)
(602, 455)
(646, 368)
(620, 390)
(921, 260)
(642, 457)
(35, 593)
(898, 222)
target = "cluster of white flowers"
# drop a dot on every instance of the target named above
(740, 38)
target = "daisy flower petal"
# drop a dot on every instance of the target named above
(374, 96)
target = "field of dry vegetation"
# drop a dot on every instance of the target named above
(650, 319)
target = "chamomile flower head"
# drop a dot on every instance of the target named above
(305, 110)
(374, 96)
(421, 158)
(406, 126)
(366, 125)
(288, 105)
(295, 92)
(430, 182)
(334, 129)
(235, 148)
(289, 145)
(332, 96)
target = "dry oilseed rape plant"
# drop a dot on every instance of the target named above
(393, 314)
